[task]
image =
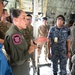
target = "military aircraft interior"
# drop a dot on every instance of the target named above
(48, 10)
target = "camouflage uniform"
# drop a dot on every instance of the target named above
(28, 34)
(3, 28)
(43, 31)
(59, 48)
(72, 31)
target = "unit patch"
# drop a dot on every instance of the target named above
(16, 39)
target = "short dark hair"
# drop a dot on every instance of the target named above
(4, 0)
(44, 18)
(61, 17)
(15, 13)
(29, 15)
(4, 11)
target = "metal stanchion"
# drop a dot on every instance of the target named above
(36, 62)
(35, 34)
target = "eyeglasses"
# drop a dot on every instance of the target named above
(60, 19)
(4, 2)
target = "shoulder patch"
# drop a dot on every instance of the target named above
(16, 39)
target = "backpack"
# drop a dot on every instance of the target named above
(5, 68)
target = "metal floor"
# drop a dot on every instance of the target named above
(47, 69)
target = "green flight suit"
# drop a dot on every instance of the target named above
(16, 47)
(43, 31)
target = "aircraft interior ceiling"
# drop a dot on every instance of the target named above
(49, 8)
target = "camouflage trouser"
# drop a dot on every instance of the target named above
(62, 57)
(46, 51)
(73, 63)
(39, 52)
(33, 61)
(33, 56)
(73, 70)
(70, 62)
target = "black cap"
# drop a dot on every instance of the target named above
(61, 17)
(29, 15)
(4, 0)
(44, 18)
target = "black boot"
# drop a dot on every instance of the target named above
(55, 73)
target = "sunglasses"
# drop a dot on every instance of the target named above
(4, 2)
(60, 19)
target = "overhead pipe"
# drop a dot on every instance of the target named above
(42, 6)
(35, 14)
(45, 8)
(20, 4)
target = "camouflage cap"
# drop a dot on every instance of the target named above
(4, 0)
(44, 18)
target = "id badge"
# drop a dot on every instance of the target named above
(56, 39)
